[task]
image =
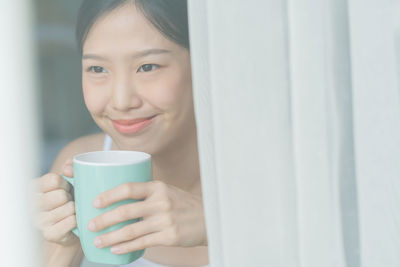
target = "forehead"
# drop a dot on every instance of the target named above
(122, 29)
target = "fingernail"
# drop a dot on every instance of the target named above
(91, 226)
(96, 203)
(115, 250)
(97, 242)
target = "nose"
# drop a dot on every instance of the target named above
(124, 94)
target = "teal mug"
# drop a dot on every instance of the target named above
(95, 173)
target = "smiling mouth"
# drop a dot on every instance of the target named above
(132, 126)
(132, 121)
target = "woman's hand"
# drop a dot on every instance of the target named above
(55, 208)
(171, 217)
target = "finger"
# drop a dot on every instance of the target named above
(38, 202)
(121, 214)
(146, 241)
(124, 191)
(54, 216)
(54, 199)
(61, 229)
(69, 161)
(69, 239)
(68, 169)
(50, 182)
(129, 232)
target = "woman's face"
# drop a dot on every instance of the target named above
(131, 71)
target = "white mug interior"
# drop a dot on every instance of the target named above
(111, 158)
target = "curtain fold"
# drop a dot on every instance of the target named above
(322, 126)
(375, 46)
(242, 102)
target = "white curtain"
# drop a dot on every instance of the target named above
(19, 135)
(298, 112)
(375, 52)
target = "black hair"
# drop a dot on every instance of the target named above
(168, 16)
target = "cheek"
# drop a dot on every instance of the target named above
(167, 96)
(95, 102)
(170, 92)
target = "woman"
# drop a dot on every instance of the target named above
(136, 81)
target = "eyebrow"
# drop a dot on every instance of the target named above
(137, 55)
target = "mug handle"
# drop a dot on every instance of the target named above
(71, 181)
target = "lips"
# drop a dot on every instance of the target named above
(133, 121)
(133, 125)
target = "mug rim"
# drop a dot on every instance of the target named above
(145, 157)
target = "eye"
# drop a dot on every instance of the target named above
(148, 67)
(97, 69)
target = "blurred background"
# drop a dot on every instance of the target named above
(62, 109)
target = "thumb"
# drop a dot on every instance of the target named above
(68, 169)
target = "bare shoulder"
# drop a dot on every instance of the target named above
(87, 143)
